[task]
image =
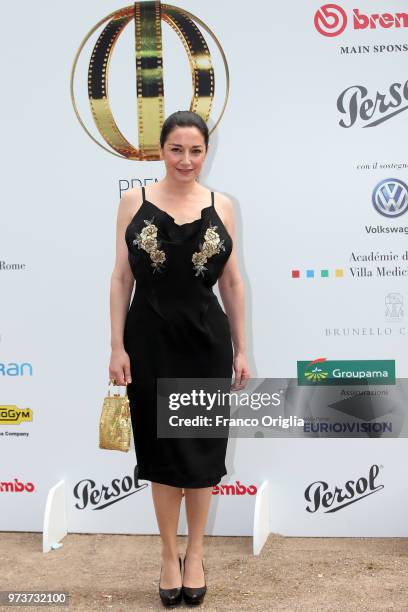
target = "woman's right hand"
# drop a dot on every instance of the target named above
(119, 367)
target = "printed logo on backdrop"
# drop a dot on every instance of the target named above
(332, 20)
(98, 497)
(365, 265)
(234, 489)
(380, 264)
(321, 497)
(147, 75)
(390, 197)
(394, 303)
(392, 306)
(16, 369)
(16, 486)
(8, 266)
(358, 107)
(362, 412)
(353, 371)
(314, 273)
(11, 415)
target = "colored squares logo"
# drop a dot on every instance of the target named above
(318, 273)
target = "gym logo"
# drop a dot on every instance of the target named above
(146, 18)
(331, 20)
(11, 415)
(390, 198)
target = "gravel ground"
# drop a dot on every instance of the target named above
(121, 572)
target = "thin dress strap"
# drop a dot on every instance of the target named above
(212, 199)
(143, 194)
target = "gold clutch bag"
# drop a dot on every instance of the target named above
(115, 426)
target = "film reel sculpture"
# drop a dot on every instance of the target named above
(147, 17)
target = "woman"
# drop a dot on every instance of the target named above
(176, 238)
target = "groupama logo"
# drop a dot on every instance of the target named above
(313, 372)
(331, 20)
(325, 372)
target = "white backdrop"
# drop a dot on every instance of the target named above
(302, 201)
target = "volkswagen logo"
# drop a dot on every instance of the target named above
(390, 197)
(144, 21)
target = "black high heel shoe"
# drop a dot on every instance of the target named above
(170, 597)
(193, 595)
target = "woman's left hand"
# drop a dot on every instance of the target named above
(241, 370)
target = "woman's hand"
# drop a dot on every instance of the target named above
(119, 367)
(241, 370)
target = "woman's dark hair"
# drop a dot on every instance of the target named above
(184, 119)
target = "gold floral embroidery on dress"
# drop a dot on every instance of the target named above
(147, 240)
(211, 246)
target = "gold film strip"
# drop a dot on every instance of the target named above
(147, 17)
(199, 57)
(149, 77)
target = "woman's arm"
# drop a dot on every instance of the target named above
(121, 287)
(231, 287)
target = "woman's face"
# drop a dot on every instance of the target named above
(183, 153)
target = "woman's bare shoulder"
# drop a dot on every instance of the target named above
(224, 206)
(224, 200)
(131, 201)
(225, 210)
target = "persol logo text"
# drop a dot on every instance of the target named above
(87, 492)
(356, 105)
(319, 495)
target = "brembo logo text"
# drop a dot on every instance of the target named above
(231, 489)
(16, 487)
(332, 20)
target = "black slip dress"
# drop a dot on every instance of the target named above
(175, 326)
